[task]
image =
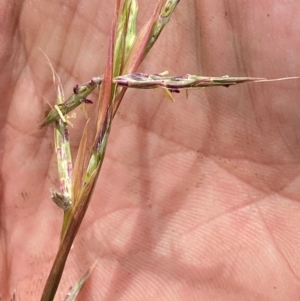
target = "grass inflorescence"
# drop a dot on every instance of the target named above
(127, 49)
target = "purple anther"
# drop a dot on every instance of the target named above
(172, 90)
(178, 78)
(76, 89)
(66, 135)
(140, 76)
(123, 83)
(85, 100)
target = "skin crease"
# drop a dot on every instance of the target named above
(197, 199)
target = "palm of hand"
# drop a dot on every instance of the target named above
(197, 199)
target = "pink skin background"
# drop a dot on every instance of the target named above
(197, 199)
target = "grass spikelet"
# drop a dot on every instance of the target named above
(76, 99)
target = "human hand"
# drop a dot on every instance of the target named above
(197, 199)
